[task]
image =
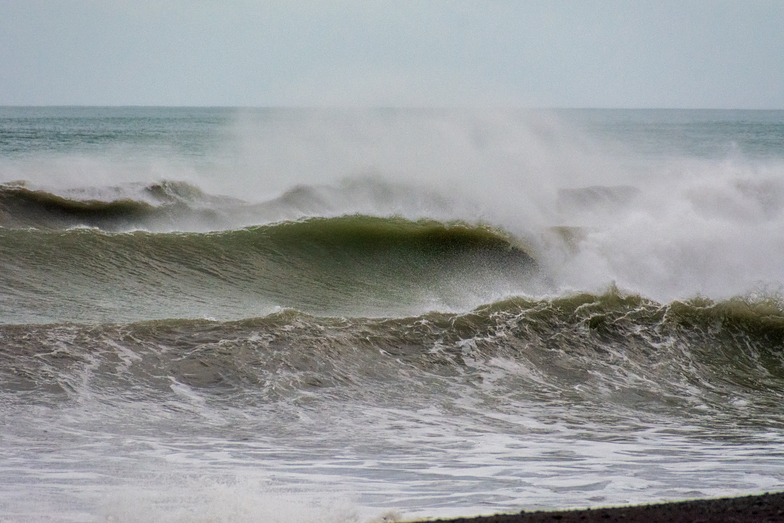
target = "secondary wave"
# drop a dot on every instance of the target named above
(154, 206)
(169, 206)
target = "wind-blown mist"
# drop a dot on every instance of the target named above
(666, 204)
(699, 220)
(318, 315)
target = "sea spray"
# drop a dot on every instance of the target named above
(300, 314)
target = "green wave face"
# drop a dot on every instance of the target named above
(352, 265)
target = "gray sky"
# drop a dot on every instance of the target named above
(554, 53)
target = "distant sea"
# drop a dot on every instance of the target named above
(303, 315)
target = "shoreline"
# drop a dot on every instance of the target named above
(763, 508)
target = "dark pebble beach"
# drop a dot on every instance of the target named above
(767, 508)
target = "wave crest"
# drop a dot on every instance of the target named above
(349, 265)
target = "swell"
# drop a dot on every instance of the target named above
(699, 359)
(138, 207)
(169, 206)
(355, 265)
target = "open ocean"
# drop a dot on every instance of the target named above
(333, 316)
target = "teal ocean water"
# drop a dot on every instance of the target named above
(369, 315)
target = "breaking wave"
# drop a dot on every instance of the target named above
(700, 358)
(359, 265)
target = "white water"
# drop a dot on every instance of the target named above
(347, 462)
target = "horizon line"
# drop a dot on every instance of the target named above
(385, 107)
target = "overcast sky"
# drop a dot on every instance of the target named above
(554, 53)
